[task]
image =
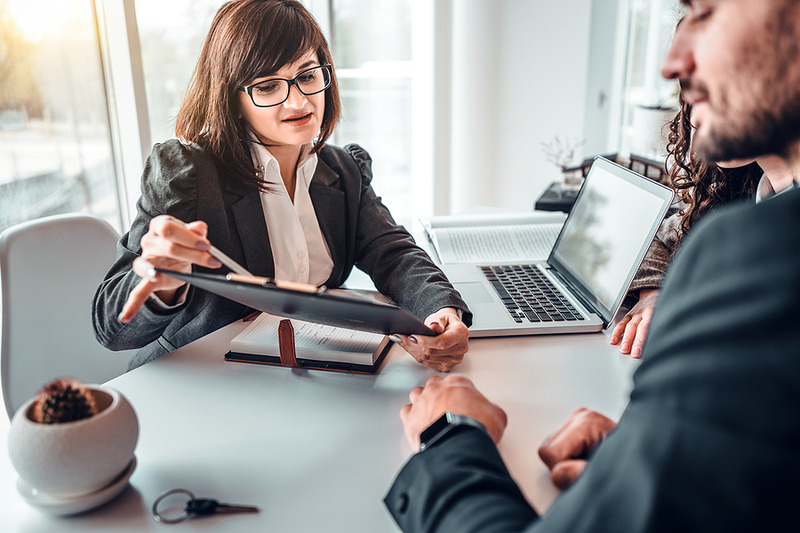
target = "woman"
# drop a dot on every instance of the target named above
(701, 187)
(253, 175)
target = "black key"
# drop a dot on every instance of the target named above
(207, 507)
(202, 507)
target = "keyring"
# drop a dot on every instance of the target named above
(165, 519)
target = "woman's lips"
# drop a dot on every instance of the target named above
(298, 120)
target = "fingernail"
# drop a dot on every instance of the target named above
(151, 274)
(395, 339)
(119, 317)
(614, 340)
(202, 245)
(625, 347)
(214, 263)
(636, 351)
(412, 339)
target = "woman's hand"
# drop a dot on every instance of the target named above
(632, 329)
(169, 243)
(447, 348)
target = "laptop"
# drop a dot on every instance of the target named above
(581, 285)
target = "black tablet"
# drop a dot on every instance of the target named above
(303, 302)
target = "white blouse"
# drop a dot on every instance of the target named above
(299, 250)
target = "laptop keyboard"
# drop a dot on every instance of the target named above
(528, 294)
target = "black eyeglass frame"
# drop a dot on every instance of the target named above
(325, 68)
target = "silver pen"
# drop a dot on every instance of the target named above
(228, 262)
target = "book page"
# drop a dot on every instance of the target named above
(496, 244)
(493, 219)
(319, 342)
(494, 238)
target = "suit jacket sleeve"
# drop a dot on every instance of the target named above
(710, 439)
(388, 253)
(170, 185)
(166, 188)
(459, 485)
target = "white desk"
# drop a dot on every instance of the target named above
(316, 450)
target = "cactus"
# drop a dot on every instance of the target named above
(63, 400)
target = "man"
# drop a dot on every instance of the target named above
(711, 438)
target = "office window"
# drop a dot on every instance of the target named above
(650, 101)
(171, 35)
(55, 145)
(371, 44)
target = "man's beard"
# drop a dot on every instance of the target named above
(760, 132)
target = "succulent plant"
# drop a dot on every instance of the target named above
(63, 400)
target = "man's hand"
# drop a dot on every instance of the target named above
(447, 348)
(456, 394)
(565, 452)
(631, 331)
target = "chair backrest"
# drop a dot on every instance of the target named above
(49, 270)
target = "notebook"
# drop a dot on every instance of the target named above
(504, 237)
(317, 346)
(588, 272)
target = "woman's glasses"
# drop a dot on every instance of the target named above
(275, 91)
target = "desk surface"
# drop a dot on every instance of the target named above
(316, 450)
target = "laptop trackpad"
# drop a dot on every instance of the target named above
(473, 293)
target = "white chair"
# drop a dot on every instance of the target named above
(49, 270)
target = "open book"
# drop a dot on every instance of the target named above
(494, 238)
(317, 346)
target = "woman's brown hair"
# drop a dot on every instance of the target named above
(700, 185)
(248, 39)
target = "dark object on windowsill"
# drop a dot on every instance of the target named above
(556, 199)
(559, 197)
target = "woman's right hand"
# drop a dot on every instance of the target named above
(631, 331)
(169, 243)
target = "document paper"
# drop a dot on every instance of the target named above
(504, 238)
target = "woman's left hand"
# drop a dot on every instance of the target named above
(631, 331)
(447, 348)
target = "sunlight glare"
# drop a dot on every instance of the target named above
(37, 18)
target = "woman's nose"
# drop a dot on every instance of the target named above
(296, 99)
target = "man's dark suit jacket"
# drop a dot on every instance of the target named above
(185, 182)
(711, 438)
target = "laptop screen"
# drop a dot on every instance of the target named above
(608, 232)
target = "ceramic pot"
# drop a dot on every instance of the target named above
(75, 458)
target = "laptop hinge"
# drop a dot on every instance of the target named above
(577, 294)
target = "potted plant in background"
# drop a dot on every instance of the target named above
(561, 152)
(73, 446)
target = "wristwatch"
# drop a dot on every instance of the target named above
(445, 426)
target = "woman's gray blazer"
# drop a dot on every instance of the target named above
(186, 182)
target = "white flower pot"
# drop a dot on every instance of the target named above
(75, 458)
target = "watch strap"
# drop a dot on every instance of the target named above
(448, 424)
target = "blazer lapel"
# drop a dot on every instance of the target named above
(329, 204)
(252, 228)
